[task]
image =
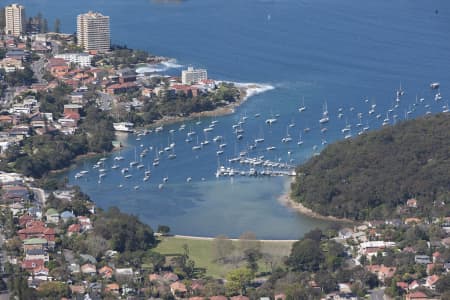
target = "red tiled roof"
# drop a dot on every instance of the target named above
(31, 264)
(72, 115)
(74, 228)
(416, 295)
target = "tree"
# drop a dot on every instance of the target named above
(53, 290)
(222, 248)
(163, 229)
(238, 280)
(247, 241)
(252, 256)
(443, 285)
(57, 25)
(306, 255)
(44, 26)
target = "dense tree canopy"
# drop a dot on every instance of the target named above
(369, 176)
(125, 232)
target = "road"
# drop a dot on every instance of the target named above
(38, 69)
(4, 295)
(39, 196)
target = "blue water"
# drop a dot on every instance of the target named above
(335, 52)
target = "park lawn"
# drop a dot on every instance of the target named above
(201, 252)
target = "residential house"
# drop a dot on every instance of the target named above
(52, 215)
(35, 243)
(77, 289)
(403, 285)
(409, 221)
(74, 268)
(6, 120)
(73, 229)
(20, 130)
(41, 273)
(126, 75)
(24, 219)
(280, 296)
(32, 264)
(120, 88)
(106, 272)
(85, 223)
(58, 67)
(18, 54)
(41, 120)
(431, 281)
(154, 277)
(383, 272)
(413, 285)
(88, 269)
(33, 254)
(436, 257)
(36, 230)
(240, 297)
(225, 298)
(422, 259)
(178, 289)
(169, 276)
(66, 216)
(189, 91)
(411, 203)
(11, 64)
(447, 267)
(124, 273)
(416, 296)
(15, 193)
(77, 97)
(112, 288)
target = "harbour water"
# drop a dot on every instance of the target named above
(349, 55)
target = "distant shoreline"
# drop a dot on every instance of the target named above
(287, 201)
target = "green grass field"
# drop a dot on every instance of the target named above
(202, 253)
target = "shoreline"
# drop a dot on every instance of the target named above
(247, 90)
(286, 200)
(205, 238)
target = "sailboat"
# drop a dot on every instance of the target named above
(205, 141)
(325, 117)
(303, 107)
(197, 147)
(300, 141)
(135, 162)
(172, 155)
(261, 138)
(287, 138)
(156, 159)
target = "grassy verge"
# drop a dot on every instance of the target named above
(202, 252)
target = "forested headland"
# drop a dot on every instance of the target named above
(373, 175)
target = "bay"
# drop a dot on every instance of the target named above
(341, 53)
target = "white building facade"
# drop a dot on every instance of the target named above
(15, 19)
(80, 59)
(192, 76)
(93, 32)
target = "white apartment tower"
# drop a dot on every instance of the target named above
(191, 75)
(93, 32)
(15, 19)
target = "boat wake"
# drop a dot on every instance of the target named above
(159, 68)
(253, 89)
